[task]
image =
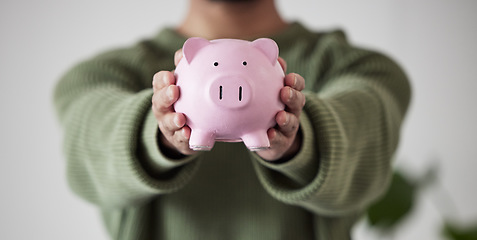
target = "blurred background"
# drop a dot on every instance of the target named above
(434, 41)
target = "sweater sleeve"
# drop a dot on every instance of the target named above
(351, 127)
(110, 133)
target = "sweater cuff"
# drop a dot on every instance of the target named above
(156, 161)
(303, 167)
(313, 160)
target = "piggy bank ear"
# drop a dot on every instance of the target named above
(192, 46)
(268, 47)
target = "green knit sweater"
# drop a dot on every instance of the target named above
(356, 101)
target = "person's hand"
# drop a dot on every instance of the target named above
(285, 140)
(175, 134)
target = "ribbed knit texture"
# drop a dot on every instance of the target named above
(356, 101)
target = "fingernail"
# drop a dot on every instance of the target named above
(169, 92)
(165, 78)
(176, 121)
(291, 94)
(287, 119)
(295, 80)
(177, 55)
(184, 134)
(272, 134)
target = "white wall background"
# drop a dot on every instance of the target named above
(434, 40)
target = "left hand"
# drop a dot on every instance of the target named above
(285, 141)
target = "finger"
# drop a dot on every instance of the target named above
(180, 137)
(178, 141)
(162, 79)
(163, 99)
(178, 56)
(272, 137)
(172, 122)
(278, 142)
(295, 81)
(181, 140)
(293, 99)
(186, 132)
(283, 64)
(288, 123)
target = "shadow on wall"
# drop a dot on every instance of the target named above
(397, 204)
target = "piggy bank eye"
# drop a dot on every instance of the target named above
(216, 64)
(244, 63)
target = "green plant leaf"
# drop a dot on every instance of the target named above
(394, 205)
(459, 233)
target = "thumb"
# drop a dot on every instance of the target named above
(178, 56)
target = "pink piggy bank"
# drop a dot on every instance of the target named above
(229, 91)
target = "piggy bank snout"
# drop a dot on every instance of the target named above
(230, 92)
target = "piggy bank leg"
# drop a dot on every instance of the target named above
(256, 141)
(201, 140)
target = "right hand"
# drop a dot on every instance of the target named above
(174, 133)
